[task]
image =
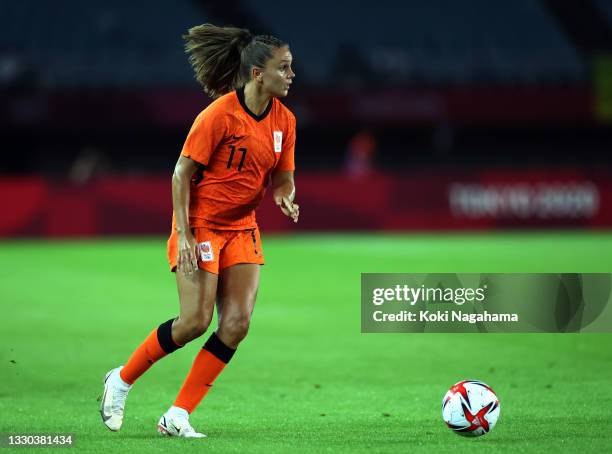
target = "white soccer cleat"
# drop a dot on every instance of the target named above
(113, 399)
(176, 424)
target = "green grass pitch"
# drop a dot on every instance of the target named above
(305, 379)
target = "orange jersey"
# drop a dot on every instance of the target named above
(238, 150)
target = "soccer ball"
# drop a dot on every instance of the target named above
(470, 408)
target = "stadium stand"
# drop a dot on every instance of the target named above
(605, 7)
(473, 41)
(111, 43)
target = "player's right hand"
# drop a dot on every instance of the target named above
(187, 262)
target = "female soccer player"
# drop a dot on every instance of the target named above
(239, 144)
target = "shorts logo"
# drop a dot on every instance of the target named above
(206, 251)
(278, 141)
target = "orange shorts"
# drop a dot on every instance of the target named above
(220, 249)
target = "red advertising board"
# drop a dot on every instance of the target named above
(416, 200)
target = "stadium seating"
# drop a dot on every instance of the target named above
(473, 41)
(110, 43)
(605, 7)
(137, 42)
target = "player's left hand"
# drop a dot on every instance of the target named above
(289, 208)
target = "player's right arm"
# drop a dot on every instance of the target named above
(207, 131)
(187, 262)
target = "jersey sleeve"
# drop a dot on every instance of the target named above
(207, 131)
(287, 159)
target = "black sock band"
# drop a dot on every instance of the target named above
(164, 337)
(215, 346)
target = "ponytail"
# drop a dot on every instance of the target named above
(222, 57)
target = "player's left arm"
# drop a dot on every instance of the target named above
(283, 191)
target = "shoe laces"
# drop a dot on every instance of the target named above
(120, 394)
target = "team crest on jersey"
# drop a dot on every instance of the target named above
(278, 141)
(206, 251)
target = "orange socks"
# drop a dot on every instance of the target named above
(206, 367)
(157, 345)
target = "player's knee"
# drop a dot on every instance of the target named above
(196, 325)
(236, 327)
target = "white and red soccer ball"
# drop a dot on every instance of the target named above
(470, 408)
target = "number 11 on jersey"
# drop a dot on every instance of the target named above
(231, 157)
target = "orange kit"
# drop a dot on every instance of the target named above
(237, 151)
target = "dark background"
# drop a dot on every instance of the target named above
(96, 89)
